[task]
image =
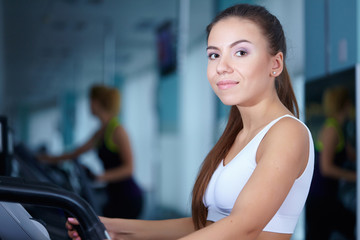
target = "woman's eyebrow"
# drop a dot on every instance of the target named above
(231, 45)
(239, 41)
(212, 47)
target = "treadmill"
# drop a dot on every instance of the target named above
(17, 223)
(33, 205)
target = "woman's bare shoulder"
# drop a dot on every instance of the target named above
(289, 128)
(288, 141)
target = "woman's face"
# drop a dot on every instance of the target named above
(240, 68)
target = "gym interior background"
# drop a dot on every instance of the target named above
(52, 51)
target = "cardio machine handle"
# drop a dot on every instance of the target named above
(13, 189)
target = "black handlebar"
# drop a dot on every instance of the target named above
(18, 190)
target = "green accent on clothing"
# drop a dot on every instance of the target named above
(108, 136)
(332, 122)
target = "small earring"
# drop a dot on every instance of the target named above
(274, 73)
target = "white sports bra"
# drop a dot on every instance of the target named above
(222, 192)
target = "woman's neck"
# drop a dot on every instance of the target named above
(105, 118)
(340, 118)
(257, 116)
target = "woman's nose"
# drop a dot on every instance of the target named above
(224, 65)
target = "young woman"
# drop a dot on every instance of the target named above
(114, 150)
(254, 182)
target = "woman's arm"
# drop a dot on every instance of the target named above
(122, 142)
(281, 158)
(329, 138)
(141, 229)
(74, 154)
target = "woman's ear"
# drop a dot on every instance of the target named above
(277, 64)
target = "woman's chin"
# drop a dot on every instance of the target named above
(228, 102)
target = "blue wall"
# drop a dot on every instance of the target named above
(222, 4)
(330, 31)
(315, 38)
(167, 102)
(342, 21)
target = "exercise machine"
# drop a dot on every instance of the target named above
(17, 223)
(36, 198)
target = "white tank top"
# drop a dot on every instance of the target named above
(222, 192)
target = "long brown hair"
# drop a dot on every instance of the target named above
(272, 30)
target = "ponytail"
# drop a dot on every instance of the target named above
(286, 93)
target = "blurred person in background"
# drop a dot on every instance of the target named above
(112, 143)
(325, 212)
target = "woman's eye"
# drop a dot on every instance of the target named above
(213, 56)
(240, 53)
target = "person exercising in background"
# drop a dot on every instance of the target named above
(325, 213)
(114, 149)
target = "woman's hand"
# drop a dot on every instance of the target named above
(130, 229)
(72, 233)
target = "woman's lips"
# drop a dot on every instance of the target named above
(226, 84)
